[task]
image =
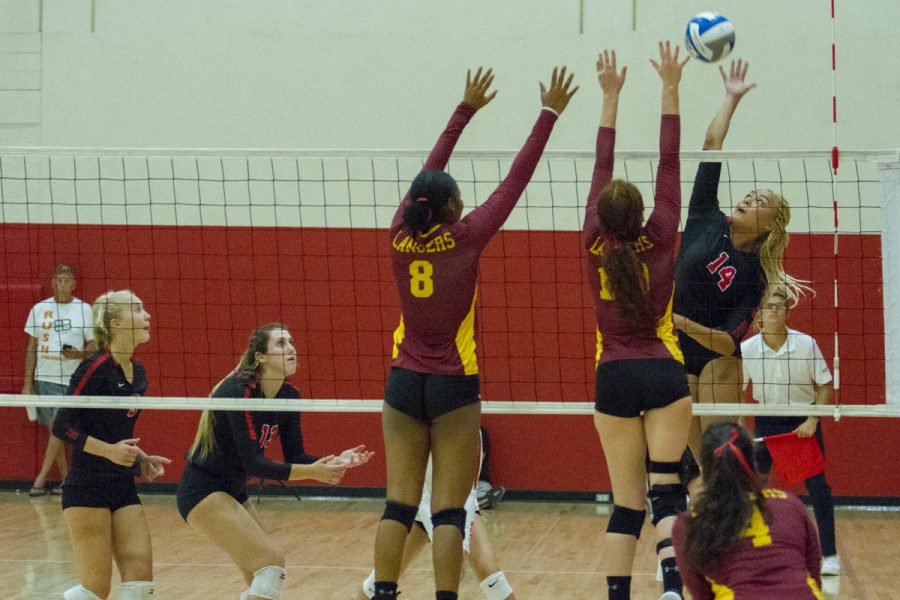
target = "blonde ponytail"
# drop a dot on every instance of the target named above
(771, 250)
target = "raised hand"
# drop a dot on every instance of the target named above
(734, 79)
(668, 67)
(611, 81)
(125, 452)
(557, 96)
(327, 470)
(476, 94)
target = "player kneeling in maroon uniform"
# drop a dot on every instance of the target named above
(230, 447)
(100, 502)
(741, 540)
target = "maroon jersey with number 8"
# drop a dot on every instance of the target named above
(436, 271)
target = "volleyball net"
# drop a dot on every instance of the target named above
(217, 243)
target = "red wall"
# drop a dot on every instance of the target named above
(208, 287)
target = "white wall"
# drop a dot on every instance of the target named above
(354, 74)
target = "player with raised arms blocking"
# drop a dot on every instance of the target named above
(432, 401)
(642, 403)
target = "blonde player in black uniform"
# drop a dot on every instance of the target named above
(230, 447)
(100, 503)
(724, 266)
(643, 404)
(432, 401)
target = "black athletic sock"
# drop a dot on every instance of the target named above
(446, 596)
(619, 588)
(385, 590)
(671, 575)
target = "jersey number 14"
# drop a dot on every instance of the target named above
(726, 274)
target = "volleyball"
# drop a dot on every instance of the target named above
(709, 37)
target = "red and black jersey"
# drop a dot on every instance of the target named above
(777, 556)
(715, 285)
(617, 337)
(99, 375)
(436, 271)
(241, 437)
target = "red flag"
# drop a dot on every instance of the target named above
(795, 458)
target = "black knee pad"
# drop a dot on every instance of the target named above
(450, 516)
(667, 500)
(626, 520)
(663, 467)
(666, 543)
(690, 470)
(402, 513)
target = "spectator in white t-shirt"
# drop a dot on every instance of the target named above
(787, 367)
(60, 334)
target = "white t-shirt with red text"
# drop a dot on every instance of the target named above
(54, 325)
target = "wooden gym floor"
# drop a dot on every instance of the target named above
(548, 550)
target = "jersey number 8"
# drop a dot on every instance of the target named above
(421, 285)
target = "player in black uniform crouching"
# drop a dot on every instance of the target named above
(100, 503)
(230, 447)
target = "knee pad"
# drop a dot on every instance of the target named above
(79, 592)
(690, 470)
(136, 590)
(626, 520)
(450, 516)
(267, 582)
(667, 500)
(663, 467)
(368, 586)
(666, 543)
(402, 513)
(495, 586)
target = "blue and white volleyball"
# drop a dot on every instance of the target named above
(709, 37)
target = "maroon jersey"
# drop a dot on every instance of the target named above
(777, 557)
(436, 270)
(618, 338)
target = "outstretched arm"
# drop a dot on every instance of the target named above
(486, 219)
(475, 97)
(735, 88)
(611, 82)
(662, 226)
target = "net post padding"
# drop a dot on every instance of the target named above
(889, 173)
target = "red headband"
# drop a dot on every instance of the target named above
(718, 452)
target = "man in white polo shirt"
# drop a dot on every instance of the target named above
(60, 334)
(787, 367)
